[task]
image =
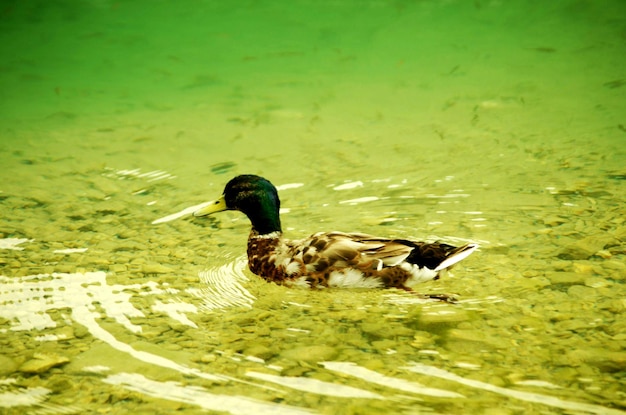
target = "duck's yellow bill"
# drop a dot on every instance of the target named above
(215, 206)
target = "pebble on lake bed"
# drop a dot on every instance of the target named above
(42, 362)
(155, 269)
(310, 354)
(588, 246)
(7, 365)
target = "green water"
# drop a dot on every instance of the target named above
(501, 123)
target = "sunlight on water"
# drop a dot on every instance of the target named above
(223, 287)
(200, 397)
(28, 301)
(80, 293)
(185, 212)
(388, 381)
(43, 305)
(315, 386)
(13, 243)
(28, 397)
(525, 396)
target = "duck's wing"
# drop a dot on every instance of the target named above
(339, 249)
(359, 250)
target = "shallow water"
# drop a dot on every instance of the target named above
(499, 123)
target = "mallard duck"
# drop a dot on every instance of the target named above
(329, 259)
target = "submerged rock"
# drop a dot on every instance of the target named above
(385, 330)
(260, 351)
(605, 360)
(587, 247)
(7, 365)
(42, 362)
(311, 354)
(155, 269)
(568, 278)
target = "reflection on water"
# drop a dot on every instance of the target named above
(222, 341)
(200, 397)
(42, 306)
(525, 396)
(223, 287)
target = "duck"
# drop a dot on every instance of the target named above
(330, 259)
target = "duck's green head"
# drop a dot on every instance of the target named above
(253, 195)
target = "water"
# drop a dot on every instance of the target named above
(499, 123)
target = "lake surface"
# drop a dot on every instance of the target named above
(500, 123)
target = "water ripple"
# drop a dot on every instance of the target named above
(223, 286)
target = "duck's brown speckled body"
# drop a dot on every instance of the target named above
(329, 259)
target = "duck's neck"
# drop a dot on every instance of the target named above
(272, 235)
(266, 230)
(265, 221)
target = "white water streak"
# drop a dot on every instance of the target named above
(523, 396)
(12, 243)
(288, 186)
(316, 386)
(28, 396)
(187, 211)
(199, 396)
(26, 300)
(349, 185)
(83, 316)
(360, 200)
(176, 310)
(70, 251)
(352, 369)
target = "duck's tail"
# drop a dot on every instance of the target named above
(456, 255)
